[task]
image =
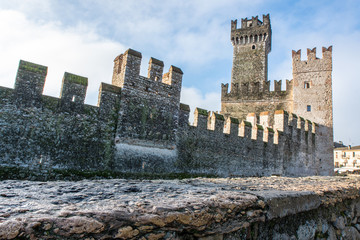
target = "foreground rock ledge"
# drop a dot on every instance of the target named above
(227, 208)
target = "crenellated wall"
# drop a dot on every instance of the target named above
(308, 94)
(39, 131)
(140, 126)
(148, 116)
(230, 147)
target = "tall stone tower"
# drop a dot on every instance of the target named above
(312, 99)
(250, 88)
(252, 44)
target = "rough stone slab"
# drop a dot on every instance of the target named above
(133, 208)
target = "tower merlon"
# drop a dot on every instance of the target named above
(73, 92)
(173, 77)
(311, 54)
(216, 122)
(277, 86)
(201, 118)
(29, 83)
(313, 63)
(109, 97)
(245, 129)
(155, 70)
(184, 107)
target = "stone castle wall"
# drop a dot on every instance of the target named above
(38, 130)
(140, 125)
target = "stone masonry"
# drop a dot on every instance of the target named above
(225, 208)
(308, 94)
(140, 126)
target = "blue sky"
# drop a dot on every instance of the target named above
(83, 37)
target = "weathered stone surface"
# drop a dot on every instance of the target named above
(140, 126)
(308, 94)
(175, 209)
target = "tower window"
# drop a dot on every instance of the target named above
(306, 85)
(308, 108)
(253, 47)
(73, 98)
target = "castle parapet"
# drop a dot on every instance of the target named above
(251, 31)
(232, 126)
(184, 114)
(281, 121)
(245, 129)
(216, 122)
(126, 74)
(253, 91)
(29, 83)
(156, 68)
(264, 118)
(73, 92)
(109, 99)
(312, 64)
(201, 118)
(277, 86)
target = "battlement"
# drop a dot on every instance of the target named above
(126, 74)
(251, 31)
(253, 91)
(312, 63)
(29, 85)
(140, 126)
(255, 127)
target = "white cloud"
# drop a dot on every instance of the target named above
(77, 50)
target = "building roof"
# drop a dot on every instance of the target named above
(348, 148)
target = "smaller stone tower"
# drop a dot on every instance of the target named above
(252, 44)
(312, 99)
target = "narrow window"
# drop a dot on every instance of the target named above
(353, 154)
(73, 99)
(306, 85)
(253, 47)
(308, 108)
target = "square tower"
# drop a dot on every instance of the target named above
(252, 44)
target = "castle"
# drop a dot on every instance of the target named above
(140, 126)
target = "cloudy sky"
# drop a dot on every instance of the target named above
(84, 36)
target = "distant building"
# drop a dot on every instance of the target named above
(347, 156)
(339, 144)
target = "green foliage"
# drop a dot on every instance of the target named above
(219, 117)
(271, 130)
(185, 107)
(202, 112)
(247, 124)
(259, 127)
(32, 67)
(72, 78)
